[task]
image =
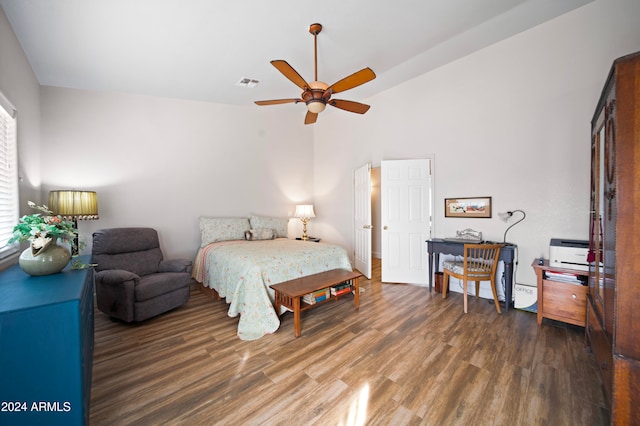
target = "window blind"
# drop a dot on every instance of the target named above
(8, 177)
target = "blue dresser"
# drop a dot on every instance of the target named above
(46, 347)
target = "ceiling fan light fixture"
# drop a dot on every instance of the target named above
(316, 94)
(318, 85)
(315, 106)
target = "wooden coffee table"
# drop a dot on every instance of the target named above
(289, 293)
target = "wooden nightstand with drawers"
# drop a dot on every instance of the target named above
(559, 299)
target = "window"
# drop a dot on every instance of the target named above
(8, 177)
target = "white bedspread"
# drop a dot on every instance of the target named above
(242, 271)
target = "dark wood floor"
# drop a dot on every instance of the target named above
(407, 357)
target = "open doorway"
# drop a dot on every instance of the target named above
(376, 237)
(396, 219)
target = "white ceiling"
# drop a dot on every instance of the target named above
(199, 49)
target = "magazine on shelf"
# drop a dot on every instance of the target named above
(566, 277)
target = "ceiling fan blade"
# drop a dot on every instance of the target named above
(279, 101)
(310, 118)
(350, 106)
(354, 80)
(288, 71)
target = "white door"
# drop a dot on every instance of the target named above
(362, 219)
(406, 219)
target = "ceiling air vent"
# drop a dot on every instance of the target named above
(247, 82)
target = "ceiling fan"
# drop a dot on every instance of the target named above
(317, 94)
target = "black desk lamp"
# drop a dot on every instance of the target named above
(506, 216)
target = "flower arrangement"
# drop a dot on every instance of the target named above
(41, 229)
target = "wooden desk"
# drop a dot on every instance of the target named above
(559, 300)
(288, 293)
(437, 246)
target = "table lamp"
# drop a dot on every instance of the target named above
(304, 212)
(73, 205)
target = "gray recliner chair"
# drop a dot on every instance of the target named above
(133, 281)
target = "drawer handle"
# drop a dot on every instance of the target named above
(603, 366)
(574, 296)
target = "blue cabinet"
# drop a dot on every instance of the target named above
(46, 347)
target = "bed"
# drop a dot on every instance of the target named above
(240, 257)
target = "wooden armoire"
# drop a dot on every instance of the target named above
(613, 306)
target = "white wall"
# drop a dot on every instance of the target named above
(20, 86)
(163, 162)
(511, 121)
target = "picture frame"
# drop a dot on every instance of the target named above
(469, 207)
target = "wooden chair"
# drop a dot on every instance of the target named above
(479, 264)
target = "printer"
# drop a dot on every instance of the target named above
(570, 254)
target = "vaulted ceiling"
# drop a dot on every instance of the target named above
(200, 49)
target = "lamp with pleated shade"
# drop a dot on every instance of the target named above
(74, 205)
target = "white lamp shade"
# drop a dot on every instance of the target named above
(304, 210)
(504, 216)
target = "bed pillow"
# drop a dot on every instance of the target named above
(280, 225)
(216, 229)
(259, 234)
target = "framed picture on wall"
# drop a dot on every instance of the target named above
(467, 207)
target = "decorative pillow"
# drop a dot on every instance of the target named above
(280, 225)
(259, 234)
(215, 229)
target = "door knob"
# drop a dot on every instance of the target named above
(385, 227)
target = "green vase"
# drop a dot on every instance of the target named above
(49, 261)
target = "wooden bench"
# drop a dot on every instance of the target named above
(289, 293)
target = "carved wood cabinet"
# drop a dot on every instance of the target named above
(613, 305)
